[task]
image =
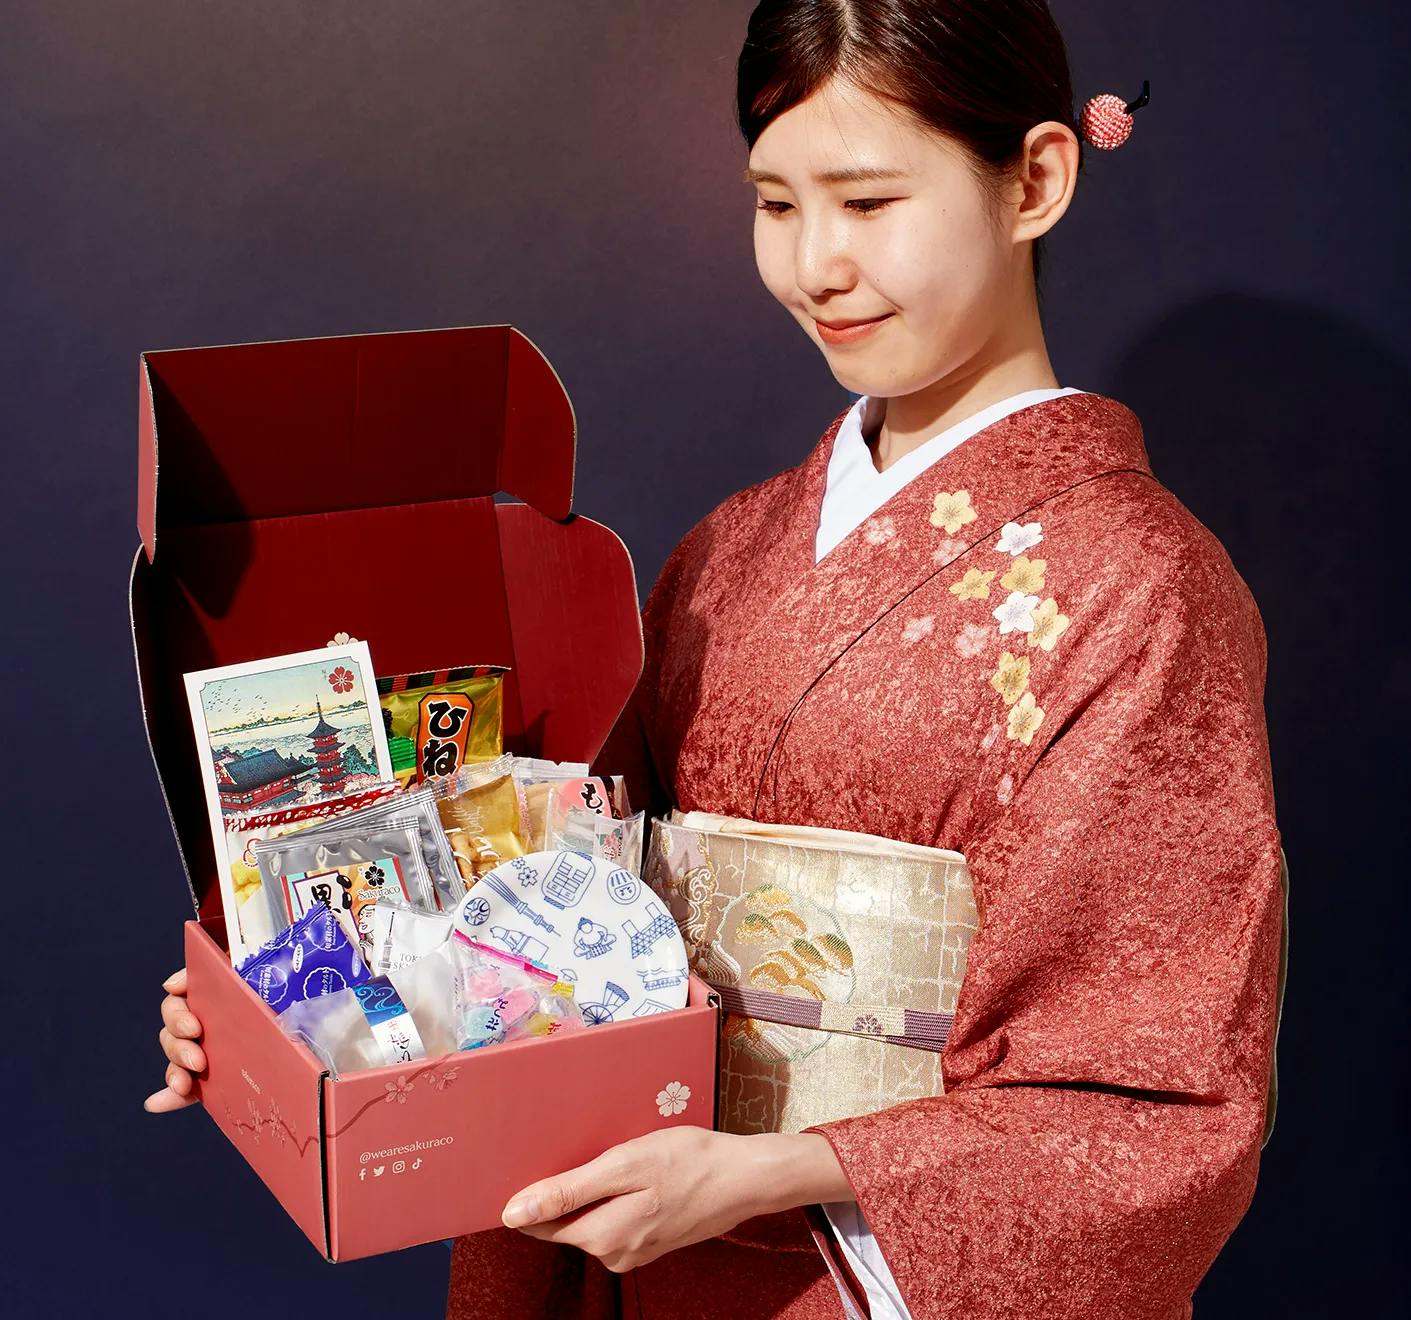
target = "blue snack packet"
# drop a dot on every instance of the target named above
(309, 959)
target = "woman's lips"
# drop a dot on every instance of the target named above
(845, 333)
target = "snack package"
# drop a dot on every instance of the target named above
(451, 718)
(546, 788)
(555, 1012)
(577, 830)
(418, 806)
(347, 867)
(258, 920)
(479, 808)
(401, 935)
(406, 1015)
(503, 997)
(311, 958)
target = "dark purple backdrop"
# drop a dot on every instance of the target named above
(191, 172)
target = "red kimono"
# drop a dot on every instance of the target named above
(1035, 655)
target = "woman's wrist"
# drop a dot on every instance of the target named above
(798, 1168)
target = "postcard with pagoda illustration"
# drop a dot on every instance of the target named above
(292, 732)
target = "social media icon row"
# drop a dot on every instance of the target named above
(398, 1166)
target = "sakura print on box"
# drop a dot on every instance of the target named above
(291, 731)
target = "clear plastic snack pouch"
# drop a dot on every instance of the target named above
(401, 935)
(505, 998)
(557, 1011)
(597, 835)
(349, 868)
(546, 787)
(409, 1014)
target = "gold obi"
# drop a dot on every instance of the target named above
(838, 957)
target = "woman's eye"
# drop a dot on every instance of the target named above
(859, 206)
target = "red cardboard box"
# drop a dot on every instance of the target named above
(348, 485)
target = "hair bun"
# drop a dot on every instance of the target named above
(1107, 120)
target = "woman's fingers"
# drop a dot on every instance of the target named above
(611, 1173)
(166, 1100)
(178, 1036)
(184, 1053)
(179, 1019)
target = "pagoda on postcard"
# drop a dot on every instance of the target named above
(332, 775)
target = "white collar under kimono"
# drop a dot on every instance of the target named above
(856, 490)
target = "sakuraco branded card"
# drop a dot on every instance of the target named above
(293, 730)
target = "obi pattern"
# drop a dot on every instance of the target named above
(839, 958)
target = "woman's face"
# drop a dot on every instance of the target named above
(863, 216)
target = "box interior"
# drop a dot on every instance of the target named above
(295, 490)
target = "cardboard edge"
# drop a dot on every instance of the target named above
(323, 1168)
(626, 554)
(147, 462)
(147, 726)
(309, 339)
(507, 514)
(565, 511)
(713, 999)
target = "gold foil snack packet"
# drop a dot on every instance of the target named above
(451, 718)
(480, 811)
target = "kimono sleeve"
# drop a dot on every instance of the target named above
(1108, 1070)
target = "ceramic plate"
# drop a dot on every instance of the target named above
(594, 924)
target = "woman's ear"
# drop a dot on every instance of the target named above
(1048, 176)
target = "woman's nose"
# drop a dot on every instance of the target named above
(822, 262)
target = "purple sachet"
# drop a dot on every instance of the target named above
(311, 958)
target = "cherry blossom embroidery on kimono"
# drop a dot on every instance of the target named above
(971, 640)
(1049, 625)
(952, 511)
(1016, 613)
(878, 531)
(1015, 538)
(1011, 678)
(1025, 575)
(1021, 611)
(918, 629)
(975, 585)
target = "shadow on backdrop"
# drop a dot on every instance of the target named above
(1275, 424)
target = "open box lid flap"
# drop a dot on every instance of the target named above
(244, 432)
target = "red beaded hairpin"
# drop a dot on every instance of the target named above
(1107, 120)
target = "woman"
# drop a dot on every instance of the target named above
(970, 619)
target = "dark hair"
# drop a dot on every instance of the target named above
(981, 74)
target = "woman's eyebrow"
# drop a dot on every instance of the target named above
(855, 174)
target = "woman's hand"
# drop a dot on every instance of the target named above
(673, 1187)
(179, 1034)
